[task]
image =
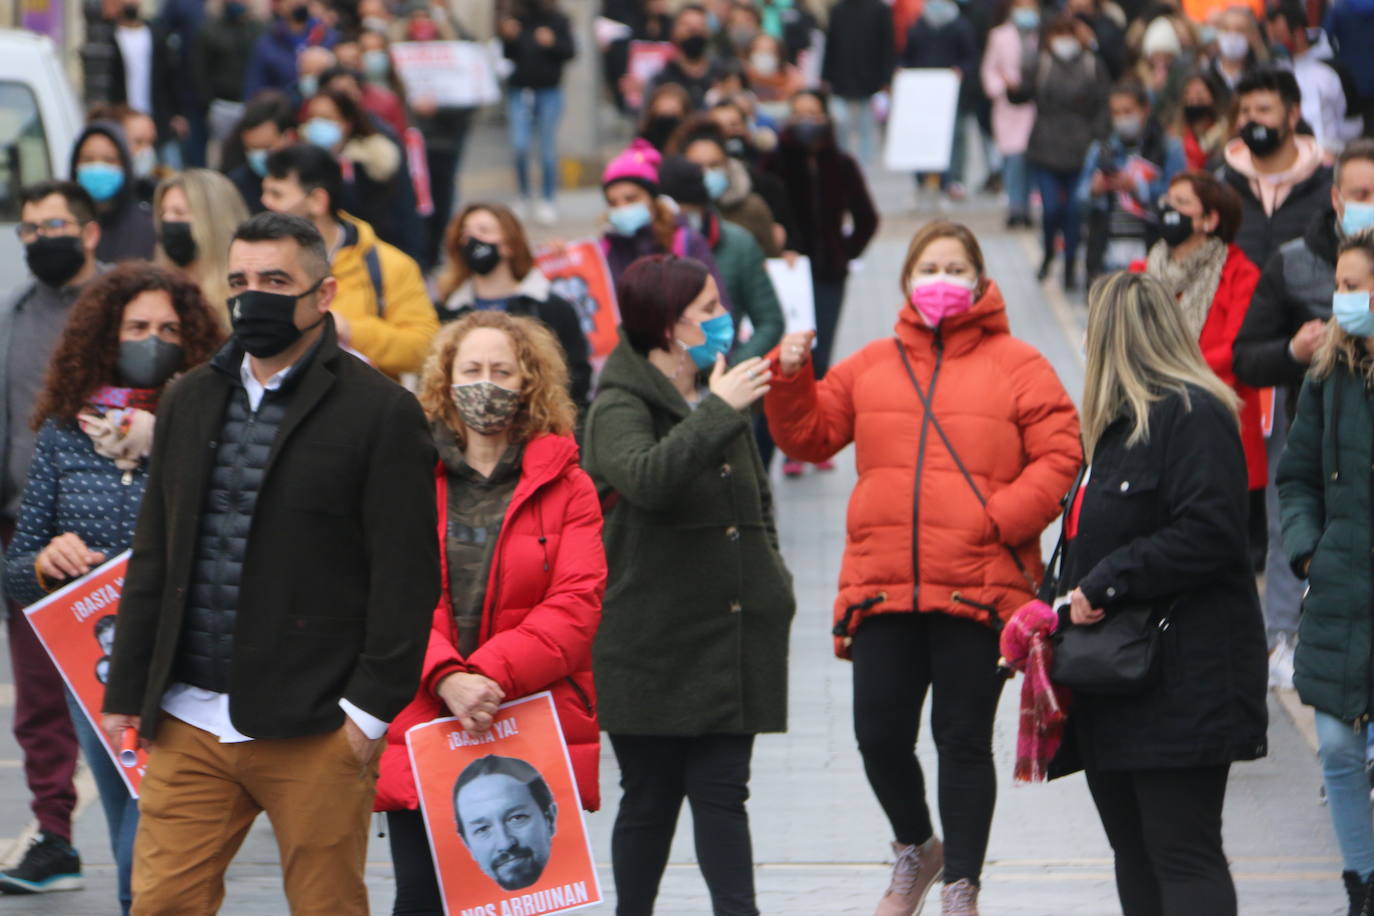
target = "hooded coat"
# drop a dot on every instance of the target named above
(918, 537)
(694, 628)
(542, 606)
(126, 223)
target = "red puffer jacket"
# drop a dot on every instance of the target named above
(543, 605)
(918, 537)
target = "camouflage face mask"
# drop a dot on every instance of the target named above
(485, 407)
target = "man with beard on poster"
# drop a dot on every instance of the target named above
(507, 817)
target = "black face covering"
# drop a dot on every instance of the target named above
(1174, 227)
(693, 47)
(1262, 141)
(178, 242)
(660, 129)
(149, 362)
(55, 260)
(131, 12)
(809, 133)
(300, 13)
(264, 323)
(480, 257)
(1196, 113)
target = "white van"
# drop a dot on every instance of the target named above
(39, 120)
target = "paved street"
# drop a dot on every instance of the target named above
(819, 837)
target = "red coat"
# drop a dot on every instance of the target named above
(542, 609)
(1232, 300)
(918, 538)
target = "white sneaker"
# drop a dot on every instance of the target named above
(521, 208)
(545, 213)
(1281, 662)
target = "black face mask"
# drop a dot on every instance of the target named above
(55, 260)
(264, 323)
(178, 242)
(1263, 141)
(130, 12)
(480, 257)
(149, 362)
(693, 47)
(300, 14)
(809, 133)
(1174, 227)
(660, 129)
(1193, 114)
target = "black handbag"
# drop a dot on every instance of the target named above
(1118, 655)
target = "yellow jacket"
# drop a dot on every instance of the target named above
(397, 340)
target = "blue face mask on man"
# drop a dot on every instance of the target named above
(720, 335)
(1356, 216)
(101, 180)
(1352, 313)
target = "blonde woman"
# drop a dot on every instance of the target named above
(1160, 522)
(195, 213)
(1324, 491)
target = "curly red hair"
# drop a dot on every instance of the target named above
(88, 351)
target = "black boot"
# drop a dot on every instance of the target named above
(1045, 264)
(1361, 893)
(1070, 277)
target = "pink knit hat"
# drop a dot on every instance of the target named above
(638, 163)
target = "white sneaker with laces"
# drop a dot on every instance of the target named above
(1281, 662)
(545, 213)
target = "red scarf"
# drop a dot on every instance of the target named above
(1026, 647)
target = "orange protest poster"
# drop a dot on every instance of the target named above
(503, 814)
(579, 274)
(76, 625)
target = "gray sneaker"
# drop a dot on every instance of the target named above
(959, 899)
(913, 875)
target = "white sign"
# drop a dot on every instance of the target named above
(920, 129)
(795, 295)
(454, 74)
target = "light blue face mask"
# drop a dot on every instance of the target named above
(717, 183)
(308, 85)
(1352, 313)
(1025, 18)
(376, 64)
(100, 179)
(629, 219)
(1356, 216)
(720, 334)
(323, 132)
(257, 161)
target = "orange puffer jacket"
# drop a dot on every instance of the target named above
(1008, 419)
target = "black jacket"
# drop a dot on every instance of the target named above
(1070, 109)
(1295, 288)
(223, 47)
(952, 45)
(340, 570)
(538, 67)
(1261, 235)
(1163, 523)
(126, 223)
(860, 52)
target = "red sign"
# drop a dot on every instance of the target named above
(579, 274)
(76, 625)
(503, 815)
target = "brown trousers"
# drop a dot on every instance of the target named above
(199, 798)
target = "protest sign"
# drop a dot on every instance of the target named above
(579, 274)
(76, 625)
(503, 814)
(795, 293)
(647, 60)
(920, 128)
(452, 74)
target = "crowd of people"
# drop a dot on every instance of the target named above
(372, 473)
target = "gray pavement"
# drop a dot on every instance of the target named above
(820, 839)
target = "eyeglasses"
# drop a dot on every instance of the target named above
(48, 228)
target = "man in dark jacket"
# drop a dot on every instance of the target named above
(268, 124)
(944, 38)
(1277, 172)
(693, 69)
(859, 57)
(273, 61)
(222, 48)
(283, 579)
(1282, 330)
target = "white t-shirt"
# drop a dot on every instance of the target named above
(136, 47)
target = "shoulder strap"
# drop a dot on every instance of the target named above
(680, 242)
(1054, 570)
(374, 272)
(958, 462)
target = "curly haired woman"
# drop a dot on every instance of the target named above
(128, 334)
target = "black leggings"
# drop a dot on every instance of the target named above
(1165, 829)
(417, 887)
(656, 773)
(897, 658)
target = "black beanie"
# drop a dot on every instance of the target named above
(682, 181)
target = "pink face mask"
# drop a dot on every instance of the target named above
(940, 296)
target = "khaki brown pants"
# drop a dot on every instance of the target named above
(199, 798)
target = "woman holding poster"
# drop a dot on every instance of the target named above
(691, 660)
(523, 571)
(128, 334)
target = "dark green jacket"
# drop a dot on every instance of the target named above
(1324, 481)
(694, 626)
(740, 262)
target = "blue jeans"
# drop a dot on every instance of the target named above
(121, 809)
(856, 127)
(530, 111)
(1343, 751)
(1016, 182)
(1060, 210)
